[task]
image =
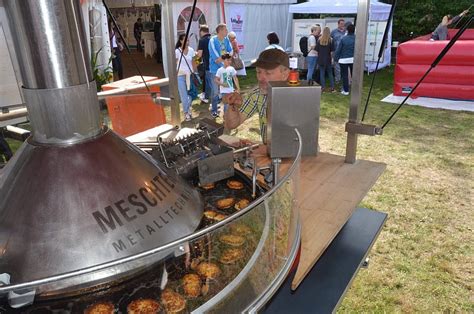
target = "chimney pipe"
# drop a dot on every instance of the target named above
(58, 86)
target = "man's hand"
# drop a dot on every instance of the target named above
(233, 99)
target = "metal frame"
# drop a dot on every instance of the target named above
(357, 77)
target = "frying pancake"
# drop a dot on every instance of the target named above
(232, 239)
(240, 229)
(220, 217)
(208, 186)
(225, 202)
(242, 204)
(100, 308)
(235, 185)
(143, 306)
(208, 270)
(210, 214)
(172, 301)
(232, 255)
(192, 285)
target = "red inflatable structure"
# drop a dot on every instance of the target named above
(452, 78)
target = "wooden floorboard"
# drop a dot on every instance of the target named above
(329, 192)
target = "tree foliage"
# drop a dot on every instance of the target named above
(415, 18)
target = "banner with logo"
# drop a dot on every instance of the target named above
(235, 23)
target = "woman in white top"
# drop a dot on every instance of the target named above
(273, 42)
(185, 68)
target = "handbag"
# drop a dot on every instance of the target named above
(237, 63)
(195, 80)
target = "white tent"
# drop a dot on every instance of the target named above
(378, 12)
(251, 20)
(261, 17)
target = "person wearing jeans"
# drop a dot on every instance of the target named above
(312, 57)
(218, 45)
(186, 66)
(345, 57)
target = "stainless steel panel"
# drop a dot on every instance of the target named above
(290, 107)
(65, 115)
(50, 41)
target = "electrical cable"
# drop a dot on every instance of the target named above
(187, 31)
(109, 13)
(381, 51)
(468, 9)
(433, 65)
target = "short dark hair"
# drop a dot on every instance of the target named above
(340, 20)
(273, 38)
(350, 29)
(220, 26)
(226, 56)
(204, 28)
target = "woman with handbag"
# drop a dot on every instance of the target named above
(186, 67)
(236, 63)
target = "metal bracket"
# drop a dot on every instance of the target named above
(364, 129)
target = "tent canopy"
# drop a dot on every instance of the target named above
(337, 7)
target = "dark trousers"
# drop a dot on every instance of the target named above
(139, 43)
(117, 63)
(345, 68)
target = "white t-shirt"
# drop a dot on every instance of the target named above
(183, 67)
(312, 42)
(226, 75)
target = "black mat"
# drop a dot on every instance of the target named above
(327, 282)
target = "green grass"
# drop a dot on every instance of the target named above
(423, 258)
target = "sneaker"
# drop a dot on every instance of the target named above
(333, 90)
(203, 98)
(215, 114)
(345, 93)
(188, 117)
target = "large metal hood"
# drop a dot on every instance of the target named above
(77, 195)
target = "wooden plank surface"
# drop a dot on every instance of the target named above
(329, 192)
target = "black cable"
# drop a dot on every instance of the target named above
(187, 32)
(433, 65)
(109, 13)
(463, 16)
(381, 51)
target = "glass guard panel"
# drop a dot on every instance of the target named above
(235, 262)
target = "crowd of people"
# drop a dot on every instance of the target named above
(213, 60)
(332, 54)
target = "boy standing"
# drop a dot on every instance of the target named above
(225, 78)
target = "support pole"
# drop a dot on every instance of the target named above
(357, 76)
(168, 24)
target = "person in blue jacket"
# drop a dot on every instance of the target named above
(219, 45)
(345, 57)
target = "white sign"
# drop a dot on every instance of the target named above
(236, 24)
(375, 31)
(303, 28)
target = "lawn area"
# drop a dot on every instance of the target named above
(423, 258)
